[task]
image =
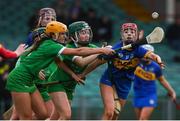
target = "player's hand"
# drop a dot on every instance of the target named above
(77, 79)
(159, 61)
(20, 49)
(162, 65)
(105, 44)
(82, 76)
(172, 94)
(107, 51)
(141, 34)
(42, 75)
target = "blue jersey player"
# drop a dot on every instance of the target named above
(120, 73)
(145, 90)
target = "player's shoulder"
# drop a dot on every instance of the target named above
(155, 64)
(49, 42)
(92, 45)
(117, 45)
(70, 45)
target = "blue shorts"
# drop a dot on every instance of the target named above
(145, 101)
(121, 83)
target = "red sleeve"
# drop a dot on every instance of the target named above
(7, 53)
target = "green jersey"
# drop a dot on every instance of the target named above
(47, 71)
(60, 74)
(42, 56)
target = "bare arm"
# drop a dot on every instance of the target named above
(92, 66)
(167, 86)
(85, 51)
(62, 65)
(12, 54)
(83, 61)
(156, 58)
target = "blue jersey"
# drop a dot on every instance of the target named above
(145, 76)
(30, 39)
(121, 71)
(126, 61)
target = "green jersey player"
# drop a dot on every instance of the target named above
(41, 54)
(80, 35)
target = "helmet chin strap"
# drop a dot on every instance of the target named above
(147, 61)
(83, 44)
(126, 42)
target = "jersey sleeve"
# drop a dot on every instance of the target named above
(29, 40)
(7, 53)
(54, 48)
(68, 57)
(92, 46)
(141, 52)
(158, 71)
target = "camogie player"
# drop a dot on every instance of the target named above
(62, 93)
(119, 75)
(145, 90)
(40, 55)
(45, 16)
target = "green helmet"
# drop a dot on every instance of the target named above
(76, 28)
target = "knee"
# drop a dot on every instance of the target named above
(43, 115)
(65, 115)
(143, 118)
(25, 116)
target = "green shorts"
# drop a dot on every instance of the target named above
(67, 87)
(44, 93)
(20, 80)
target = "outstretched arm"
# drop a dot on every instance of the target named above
(167, 86)
(85, 51)
(93, 65)
(83, 61)
(62, 65)
(12, 54)
(156, 58)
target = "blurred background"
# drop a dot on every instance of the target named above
(17, 19)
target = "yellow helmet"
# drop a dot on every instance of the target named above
(55, 27)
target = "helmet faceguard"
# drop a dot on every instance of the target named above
(80, 32)
(129, 27)
(46, 15)
(37, 34)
